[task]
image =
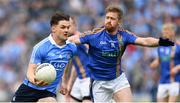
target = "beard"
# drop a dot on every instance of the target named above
(109, 27)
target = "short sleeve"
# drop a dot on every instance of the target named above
(130, 37)
(74, 49)
(88, 36)
(85, 39)
(36, 56)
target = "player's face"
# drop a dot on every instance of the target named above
(62, 30)
(168, 32)
(72, 28)
(111, 21)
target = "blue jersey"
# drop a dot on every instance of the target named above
(80, 62)
(47, 51)
(165, 59)
(177, 61)
(105, 51)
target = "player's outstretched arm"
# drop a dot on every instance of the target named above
(75, 38)
(153, 42)
(149, 41)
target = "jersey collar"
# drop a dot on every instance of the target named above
(54, 43)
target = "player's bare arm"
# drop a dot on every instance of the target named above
(71, 79)
(30, 72)
(149, 41)
(177, 67)
(155, 63)
(75, 38)
(63, 88)
(153, 42)
(175, 70)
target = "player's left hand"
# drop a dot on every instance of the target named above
(63, 89)
(74, 37)
(165, 42)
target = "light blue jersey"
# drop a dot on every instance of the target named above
(47, 51)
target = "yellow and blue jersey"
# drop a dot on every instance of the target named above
(47, 51)
(165, 63)
(81, 61)
(105, 52)
(164, 54)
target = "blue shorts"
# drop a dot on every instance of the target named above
(28, 94)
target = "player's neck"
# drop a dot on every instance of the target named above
(58, 41)
(113, 32)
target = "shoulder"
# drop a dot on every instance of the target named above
(40, 48)
(126, 32)
(71, 45)
(97, 30)
(42, 44)
(94, 31)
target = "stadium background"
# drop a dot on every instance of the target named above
(24, 22)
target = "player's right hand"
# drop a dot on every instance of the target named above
(63, 89)
(40, 82)
(73, 38)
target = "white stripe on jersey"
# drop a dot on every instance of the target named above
(36, 48)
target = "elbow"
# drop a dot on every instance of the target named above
(149, 44)
(145, 43)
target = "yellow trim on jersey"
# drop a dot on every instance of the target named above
(118, 66)
(95, 30)
(81, 68)
(129, 32)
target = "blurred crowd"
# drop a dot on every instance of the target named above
(23, 23)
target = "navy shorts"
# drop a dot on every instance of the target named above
(28, 94)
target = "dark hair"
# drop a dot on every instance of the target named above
(58, 16)
(116, 9)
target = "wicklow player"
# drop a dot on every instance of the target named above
(168, 59)
(106, 47)
(80, 89)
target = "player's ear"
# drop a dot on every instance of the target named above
(53, 29)
(120, 22)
